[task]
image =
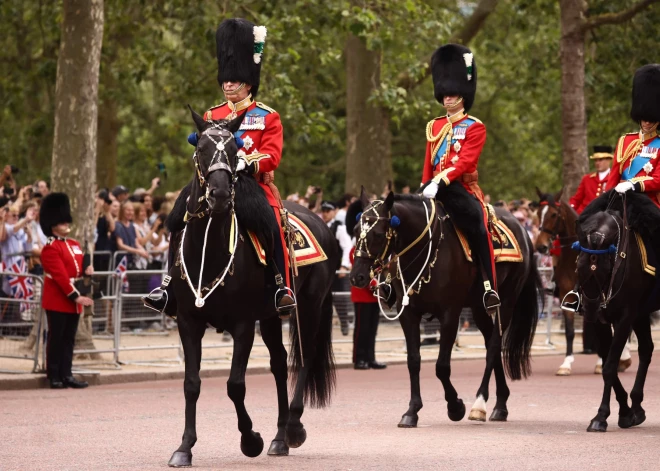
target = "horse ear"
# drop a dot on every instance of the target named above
(235, 124)
(389, 201)
(540, 193)
(200, 122)
(364, 198)
(559, 194)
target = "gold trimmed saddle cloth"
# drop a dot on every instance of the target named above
(505, 245)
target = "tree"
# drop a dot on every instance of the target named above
(575, 24)
(76, 112)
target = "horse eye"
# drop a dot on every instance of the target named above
(554, 215)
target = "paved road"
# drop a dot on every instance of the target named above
(137, 426)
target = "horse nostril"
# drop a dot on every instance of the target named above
(543, 249)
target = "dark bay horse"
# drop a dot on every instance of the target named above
(557, 222)
(232, 294)
(618, 293)
(441, 282)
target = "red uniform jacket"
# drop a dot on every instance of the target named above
(62, 260)
(636, 160)
(591, 187)
(262, 136)
(361, 295)
(454, 155)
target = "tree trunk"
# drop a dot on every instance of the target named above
(76, 113)
(574, 116)
(368, 136)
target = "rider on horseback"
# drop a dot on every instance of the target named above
(239, 51)
(635, 166)
(454, 145)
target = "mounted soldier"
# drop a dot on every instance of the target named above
(455, 142)
(240, 47)
(594, 184)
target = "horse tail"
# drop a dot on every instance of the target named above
(320, 379)
(520, 334)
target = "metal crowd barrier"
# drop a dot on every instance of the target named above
(21, 326)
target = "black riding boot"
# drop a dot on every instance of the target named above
(162, 298)
(572, 300)
(479, 243)
(285, 299)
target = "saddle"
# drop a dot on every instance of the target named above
(505, 245)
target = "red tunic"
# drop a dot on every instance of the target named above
(591, 187)
(62, 260)
(262, 143)
(458, 158)
(631, 153)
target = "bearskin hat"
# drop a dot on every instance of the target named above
(454, 73)
(646, 94)
(55, 209)
(602, 152)
(239, 47)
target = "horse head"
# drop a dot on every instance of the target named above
(599, 238)
(552, 221)
(374, 231)
(215, 161)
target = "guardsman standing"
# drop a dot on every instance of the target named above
(62, 261)
(240, 45)
(455, 142)
(594, 184)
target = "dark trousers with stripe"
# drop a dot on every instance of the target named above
(62, 328)
(367, 316)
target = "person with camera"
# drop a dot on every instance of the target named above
(105, 227)
(62, 260)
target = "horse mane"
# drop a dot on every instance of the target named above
(253, 210)
(175, 220)
(408, 197)
(355, 208)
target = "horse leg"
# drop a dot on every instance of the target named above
(448, 330)
(191, 334)
(500, 412)
(569, 323)
(271, 333)
(614, 344)
(251, 442)
(645, 351)
(410, 325)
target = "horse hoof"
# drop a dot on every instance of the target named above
(180, 459)
(499, 415)
(477, 415)
(278, 448)
(296, 437)
(597, 426)
(563, 372)
(252, 444)
(627, 420)
(598, 370)
(408, 421)
(624, 365)
(640, 417)
(457, 412)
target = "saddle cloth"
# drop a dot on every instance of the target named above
(644, 255)
(306, 248)
(505, 244)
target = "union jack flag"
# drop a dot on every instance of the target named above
(21, 286)
(122, 267)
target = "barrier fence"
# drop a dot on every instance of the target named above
(122, 331)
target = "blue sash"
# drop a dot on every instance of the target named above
(442, 149)
(641, 159)
(256, 113)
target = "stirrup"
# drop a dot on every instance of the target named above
(568, 304)
(285, 311)
(156, 300)
(491, 300)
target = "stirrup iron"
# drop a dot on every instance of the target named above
(572, 306)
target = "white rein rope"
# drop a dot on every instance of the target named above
(406, 295)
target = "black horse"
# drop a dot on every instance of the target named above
(234, 293)
(442, 281)
(617, 291)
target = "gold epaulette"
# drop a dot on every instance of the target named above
(593, 175)
(208, 113)
(476, 120)
(265, 107)
(429, 130)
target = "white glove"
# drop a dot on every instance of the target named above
(431, 190)
(241, 165)
(623, 187)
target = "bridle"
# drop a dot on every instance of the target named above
(554, 233)
(378, 263)
(216, 164)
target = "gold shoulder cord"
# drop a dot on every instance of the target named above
(632, 151)
(439, 138)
